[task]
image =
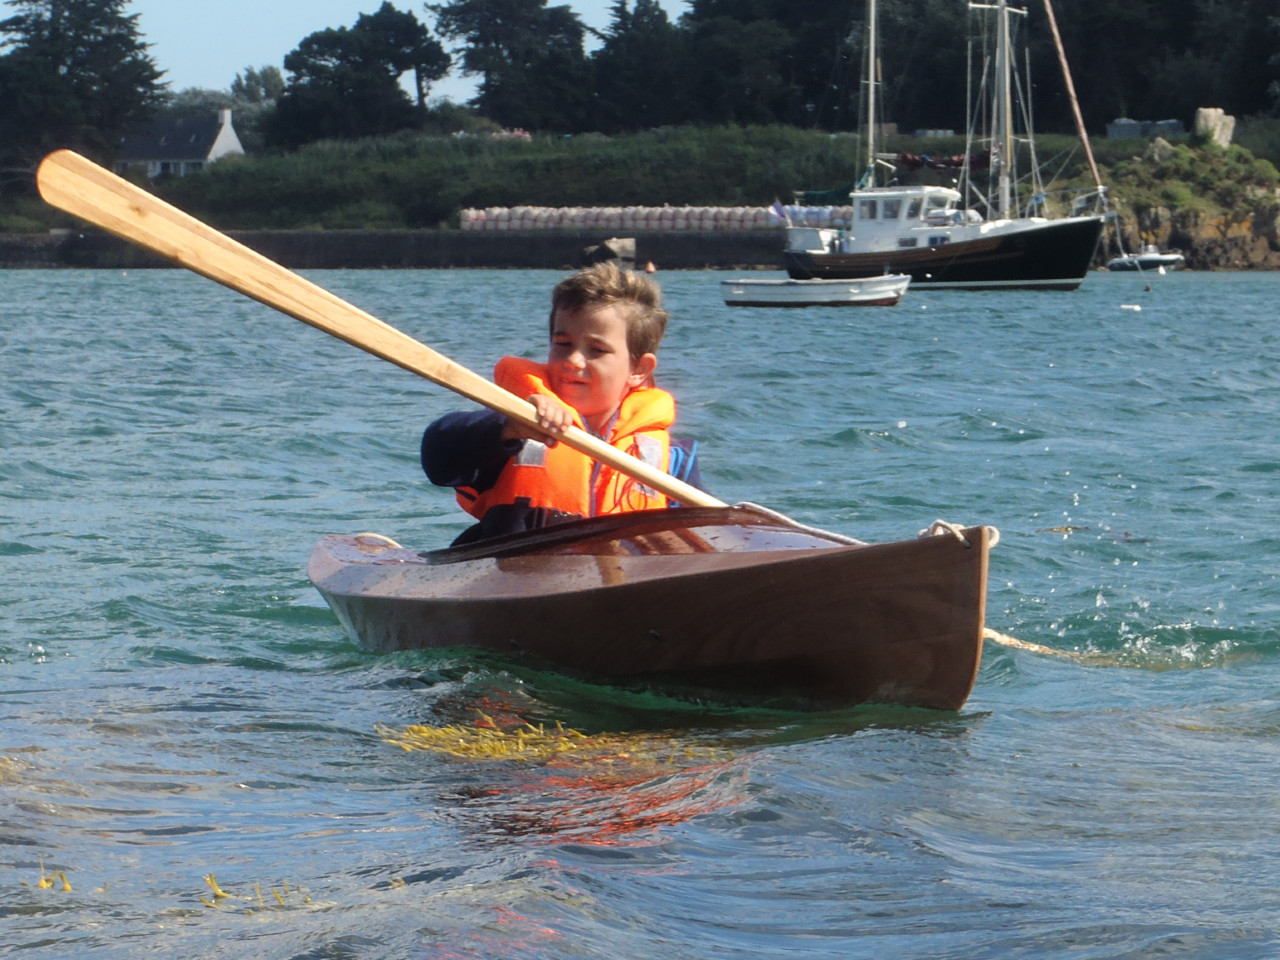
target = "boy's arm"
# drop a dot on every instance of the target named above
(467, 449)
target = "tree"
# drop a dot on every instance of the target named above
(529, 56)
(406, 45)
(1258, 62)
(258, 86)
(780, 61)
(738, 79)
(76, 74)
(923, 64)
(640, 70)
(345, 82)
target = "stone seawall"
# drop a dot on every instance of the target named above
(1209, 243)
(426, 249)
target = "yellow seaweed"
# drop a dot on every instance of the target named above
(485, 740)
(45, 882)
(219, 895)
(218, 892)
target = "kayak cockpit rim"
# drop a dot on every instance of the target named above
(632, 523)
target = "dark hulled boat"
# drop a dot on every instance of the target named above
(944, 248)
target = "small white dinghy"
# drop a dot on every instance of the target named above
(882, 291)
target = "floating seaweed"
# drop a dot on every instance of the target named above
(486, 740)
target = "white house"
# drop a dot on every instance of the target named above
(175, 147)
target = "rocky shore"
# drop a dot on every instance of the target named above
(1246, 237)
(1243, 240)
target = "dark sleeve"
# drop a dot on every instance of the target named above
(466, 449)
(683, 463)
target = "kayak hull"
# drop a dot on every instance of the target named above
(732, 599)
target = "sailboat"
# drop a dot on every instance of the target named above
(929, 232)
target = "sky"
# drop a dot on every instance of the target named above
(207, 44)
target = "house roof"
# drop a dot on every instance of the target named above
(184, 138)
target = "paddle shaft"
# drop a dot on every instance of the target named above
(81, 187)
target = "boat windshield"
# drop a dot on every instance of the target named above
(883, 208)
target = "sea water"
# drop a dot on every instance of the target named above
(195, 762)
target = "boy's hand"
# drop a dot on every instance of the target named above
(553, 417)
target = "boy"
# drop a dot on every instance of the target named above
(606, 324)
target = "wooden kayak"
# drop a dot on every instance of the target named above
(726, 601)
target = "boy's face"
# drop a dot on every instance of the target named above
(591, 368)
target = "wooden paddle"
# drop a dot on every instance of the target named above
(79, 186)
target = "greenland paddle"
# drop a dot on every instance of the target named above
(79, 186)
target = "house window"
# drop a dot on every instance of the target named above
(913, 209)
(892, 209)
(908, 241)
(939, 240)
(866, 210)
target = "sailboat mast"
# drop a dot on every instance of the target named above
(1004, 106)
(1071, 92)
(871, 92)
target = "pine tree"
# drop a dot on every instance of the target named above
(76, 74)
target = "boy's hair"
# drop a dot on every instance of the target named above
(639, 298)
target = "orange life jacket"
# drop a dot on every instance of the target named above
(560, 478)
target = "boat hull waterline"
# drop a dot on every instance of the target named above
(1042, 255)
(737, 601)
(883, 291)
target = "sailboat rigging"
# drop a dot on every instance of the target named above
(935, 233)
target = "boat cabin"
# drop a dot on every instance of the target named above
(890, 218)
